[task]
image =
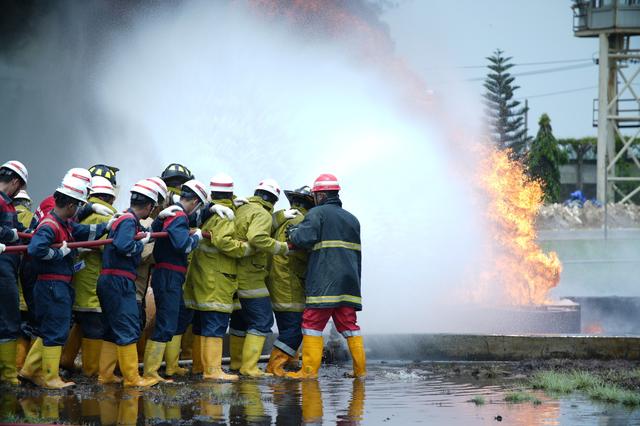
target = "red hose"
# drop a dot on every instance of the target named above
(89, 244)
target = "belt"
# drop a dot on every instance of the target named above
(119, 273)
(54, 277)
(171, 267)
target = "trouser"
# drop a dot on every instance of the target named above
(9, 299)
(344, 317)
(91, 324)
(120, 313)
(28, 278)
(185, 318)
(26, 331)
(289, 332)
(211, 323)
(255, 317)
(53, 303)
(167, 293)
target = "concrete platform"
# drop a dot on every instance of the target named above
(469, 347)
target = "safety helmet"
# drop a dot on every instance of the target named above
(221, 182)
(22, 195)
(146, 188)
(303, 192)
(100, 185)
(176, 170)
(326, 182)
(75, 184)
(198, 188)
(18, 168)
(161, 186)
(270, 186)
(107, 172)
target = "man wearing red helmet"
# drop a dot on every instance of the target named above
(332, 286)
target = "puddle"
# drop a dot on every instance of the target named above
(393, 394)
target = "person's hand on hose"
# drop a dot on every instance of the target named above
(64, 250)
(146, 239)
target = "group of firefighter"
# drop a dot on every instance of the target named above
(214, 261)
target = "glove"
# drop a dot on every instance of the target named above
(240, 202)
(222, 211)
(111, 222)
(198, 234)
(15, 235)
(2, 248)
(101, 210)
(168, 212)
(290, 213)
(84, 250)
(287, 231)
(64, 250)
(175, 198)
(146, 239)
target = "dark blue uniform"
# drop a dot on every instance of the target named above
(9, 262)
(52, 293)
(171, 256)
(116, 286)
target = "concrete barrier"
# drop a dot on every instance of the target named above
(469, 347)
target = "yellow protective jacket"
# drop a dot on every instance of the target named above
(286, 274)
(253, 224)
(211, 278)
(85, 280)
(24, 217)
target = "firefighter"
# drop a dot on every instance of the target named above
(117, 290)
(52, 293)
(86, 306)
(13, 178)
(254, 321)
(332, 285)
(175, 175)
(211, 281)
(22, 203)
(170, 255)
(286, 283)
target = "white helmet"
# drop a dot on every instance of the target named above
(81, 174)
(75, 185)
(161, 186)
(221, 182)
(100, 185)
(197, 187)
(270, 186)
(146, 188)
(22, 195)
(17, 167)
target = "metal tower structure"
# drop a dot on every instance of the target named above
(615, 23)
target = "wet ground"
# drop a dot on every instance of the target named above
(394, 393)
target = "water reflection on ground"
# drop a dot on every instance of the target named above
(393, 394)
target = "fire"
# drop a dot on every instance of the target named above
(519, 267)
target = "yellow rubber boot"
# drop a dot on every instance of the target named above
(186, 345)
(236, 343)
(171, 356)
(356, 347)
(153, 354)
(294, 362)
(51, 368)
(71, 348)
(196, 352)
(312, 347)
(128, 359)
(8, 371)
(107, 363)
(212, 360)
(277, 361)
(251, 352)
(311, 401)
(22, 349)
(91, 356)
(32, 368)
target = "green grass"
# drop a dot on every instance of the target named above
(478, 400)
(614, 394)
(12, 418)
(518, 397)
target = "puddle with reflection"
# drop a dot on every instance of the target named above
(393, 394)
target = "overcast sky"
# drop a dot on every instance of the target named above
(432, 35)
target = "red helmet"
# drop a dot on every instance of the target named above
(326, 182)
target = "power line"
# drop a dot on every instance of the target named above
(521, 64)
(559, 92)
(537, 72)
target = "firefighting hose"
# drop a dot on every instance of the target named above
(89, 244)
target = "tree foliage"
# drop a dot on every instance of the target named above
(544, 160)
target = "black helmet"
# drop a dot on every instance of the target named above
(178, 172)
(302, 193)
(107, 172)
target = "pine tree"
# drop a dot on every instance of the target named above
(503, 113)
(544, 160)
